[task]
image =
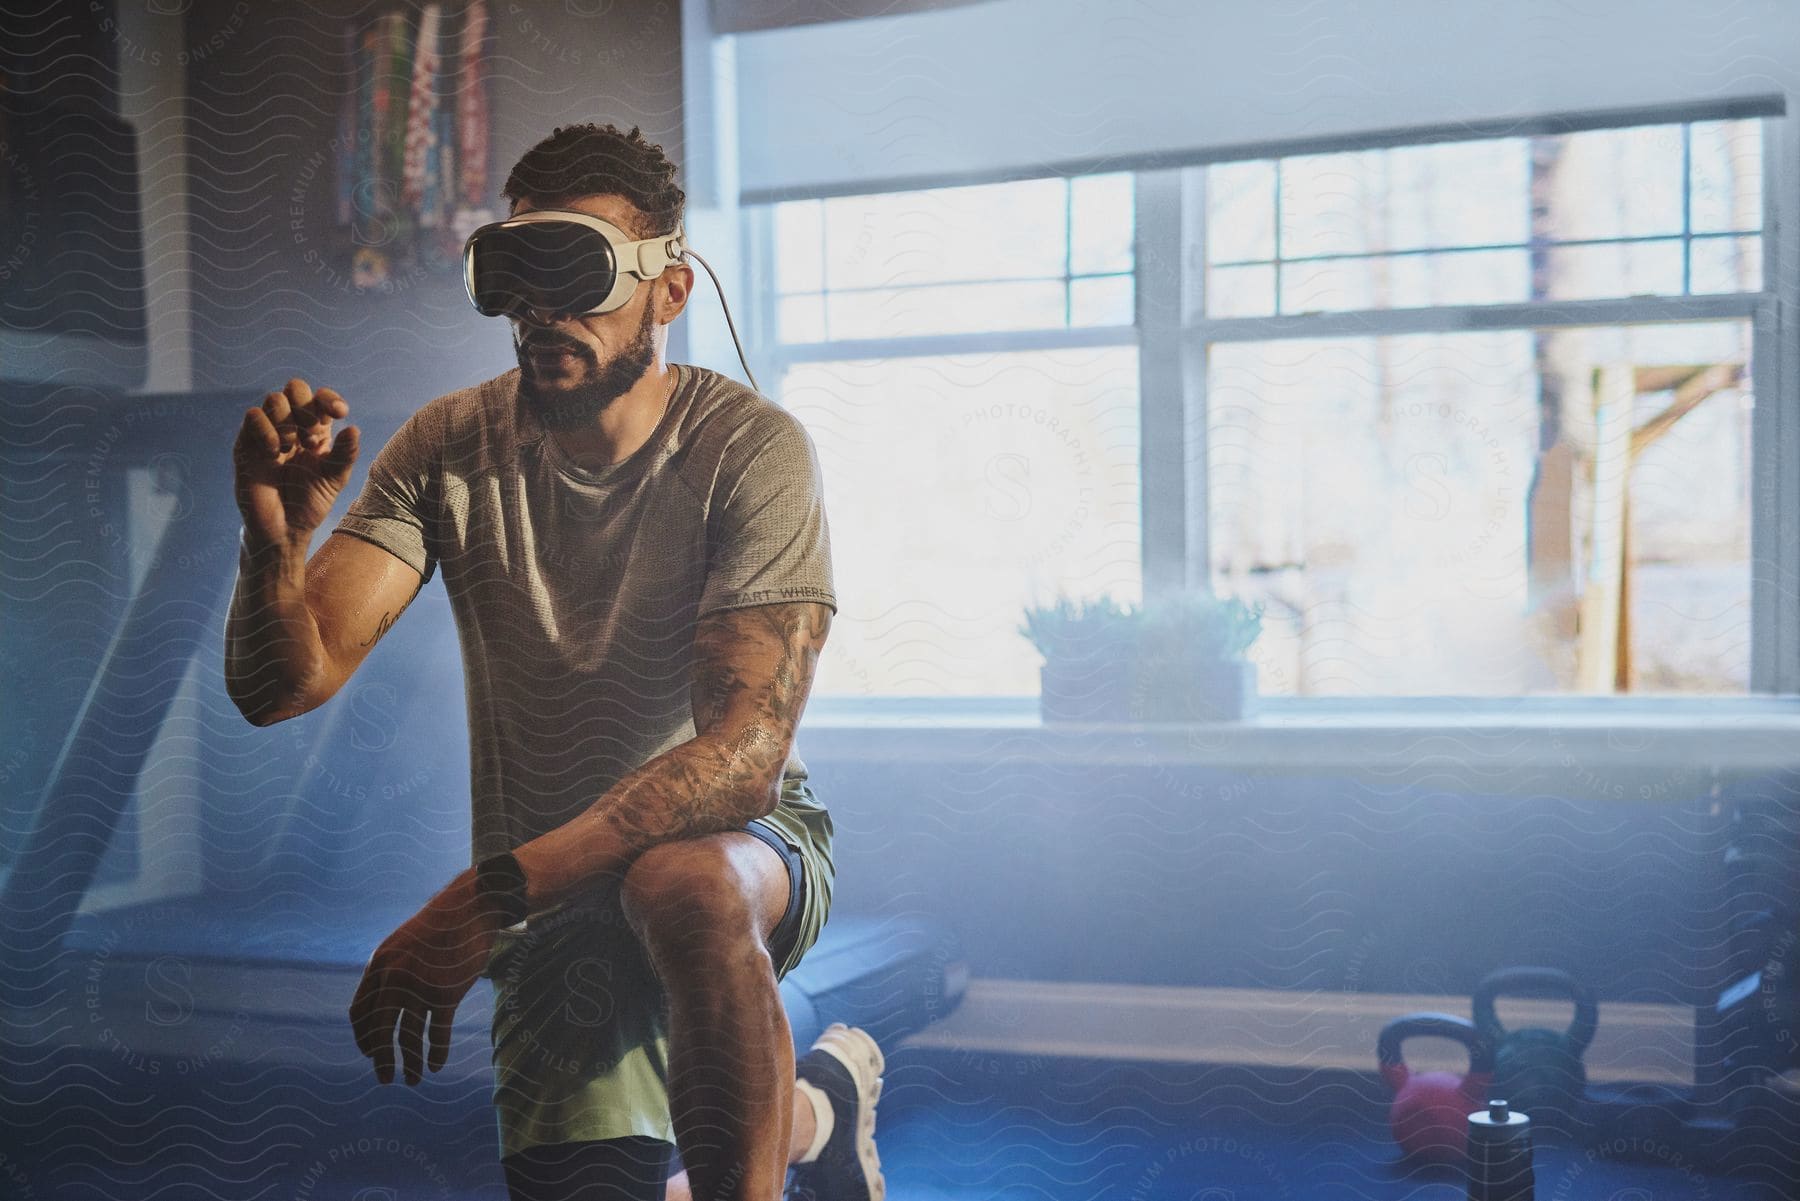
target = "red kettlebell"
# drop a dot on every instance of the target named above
(1430, 1113)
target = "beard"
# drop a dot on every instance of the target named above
(577, 405)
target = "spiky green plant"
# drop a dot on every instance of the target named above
(1068, 629)
(1198, 627)
(1189, 627)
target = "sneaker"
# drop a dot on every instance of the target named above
(844, 1064)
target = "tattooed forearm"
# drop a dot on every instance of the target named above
(753, 668)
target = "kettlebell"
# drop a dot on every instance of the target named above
(1540, 1071)
(1429, 1113)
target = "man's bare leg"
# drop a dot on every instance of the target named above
(704, 908)
(731, 1077)
(804, 1125)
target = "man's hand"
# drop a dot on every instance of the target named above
(289, 467)
(422, 971)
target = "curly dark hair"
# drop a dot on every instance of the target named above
(589, 159)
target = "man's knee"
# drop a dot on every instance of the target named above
(688, 896)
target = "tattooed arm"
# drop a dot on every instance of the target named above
(297, 630)
(753, 669)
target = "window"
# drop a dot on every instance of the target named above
(965, 361)
(1658, 210)
(1030, 255)
(1470, 418)
(1471, 430)
(1387, 500)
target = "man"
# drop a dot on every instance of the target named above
(638, 561)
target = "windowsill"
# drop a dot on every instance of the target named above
(1430, 735)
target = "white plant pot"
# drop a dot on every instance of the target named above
(1212, 690)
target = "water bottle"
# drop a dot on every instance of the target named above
(1499, 1154)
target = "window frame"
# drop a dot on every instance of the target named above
(1173, 339)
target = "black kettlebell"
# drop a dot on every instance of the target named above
(1540, 1071)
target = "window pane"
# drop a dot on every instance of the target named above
(989, 231)
(1240, 212)
(1458, 194)
(1240, 291)
(1335, 285)
(948, 309)
(1689, 600)
(988, 258)
(1406, 198)
(961, 489)
(1406, 281)
(1698, 342)
(1616, 183)
(1726, 265)
(799, 265)
(802, 318)
(1342, 214)
(1387, 499)
(1330, 204)
(1616, 269)
(1727, 176)
(1101, 222)
(1105, 301)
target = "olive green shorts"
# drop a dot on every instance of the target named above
(580, 1029)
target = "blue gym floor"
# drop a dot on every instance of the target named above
(953, 1127)
(962, 1127)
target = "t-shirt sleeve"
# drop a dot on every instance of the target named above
(767, 539)
(395, 508)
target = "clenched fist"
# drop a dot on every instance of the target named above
(289, 468)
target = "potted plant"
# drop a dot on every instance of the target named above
(1190, 663)
(1088, 649)
(1174, 659)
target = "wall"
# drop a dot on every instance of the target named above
(1017, 84)
(1330, 880)
(264, 82)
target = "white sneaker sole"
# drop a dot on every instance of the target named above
(862, 1058)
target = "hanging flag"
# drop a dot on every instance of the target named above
(346, 132)
(363, 176)
(438, 204)
(421, 114)
(440, 168)
(381, 101)
(472, 108)
(399, 88)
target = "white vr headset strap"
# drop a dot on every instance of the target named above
(654, 254)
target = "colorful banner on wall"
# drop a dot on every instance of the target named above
(412, 139)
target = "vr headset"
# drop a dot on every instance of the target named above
(550, 262)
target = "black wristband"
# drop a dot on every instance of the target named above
(500, 882)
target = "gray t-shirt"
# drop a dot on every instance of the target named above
(576, 591)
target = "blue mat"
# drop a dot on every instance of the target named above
(892, 976)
